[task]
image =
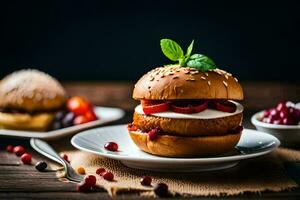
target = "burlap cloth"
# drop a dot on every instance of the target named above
(265, 173)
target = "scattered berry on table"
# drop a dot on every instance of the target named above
(100, 171)
(146, 181)
(90, 180)
(111, 146)
(108, 176)
(26, 158)
(64, 156)
(80, 170)
(161, 190)
(83, 187)
(41, 166)
(19, 150)
(10, 148)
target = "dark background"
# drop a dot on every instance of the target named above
(119, 40)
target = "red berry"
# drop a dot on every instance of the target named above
(26, 158)
(281, 106)
(111, 146)
(81, 119)
(146, 180)
(10, 148)
(19, 150)
(78, 105)
(100, 171)
(278, 121)
(266, 113)
(283, 114)
(288, 121)
(153, 134)
(90, 180)
(65, 157)
(83, 187)
(108, 176)
(274, 113)
(90, 115)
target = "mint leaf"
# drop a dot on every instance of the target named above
(172, 50)
(201, 62)
(189, 50)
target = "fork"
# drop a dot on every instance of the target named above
(45, 149)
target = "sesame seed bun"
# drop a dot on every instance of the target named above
(175, 82)
(176, 146)
(31, 91)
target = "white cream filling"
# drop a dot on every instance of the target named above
(206, 114)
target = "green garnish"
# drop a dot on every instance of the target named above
(174, 52)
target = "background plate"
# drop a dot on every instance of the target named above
(105, 114)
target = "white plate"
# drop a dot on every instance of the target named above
(288, 134)
(93, 141)
(105, 115)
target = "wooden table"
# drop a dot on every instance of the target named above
(19, 181)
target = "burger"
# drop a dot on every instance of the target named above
(29, 99)
(188, 109)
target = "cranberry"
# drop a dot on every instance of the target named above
(153, 134)
(295, 113)
(90, 180)
(278, 121)
(281, 106)
(283, 114)
(111, 146)
(108, 176)
(132, 127)
(83, 187)
(266, 113)
(161, 190)
(41, 166)
(26, 158)
(288, 121)
(274, 112)
(64, 156)
(10, 148)
(100, 171)
(146, 180)
(268, 120)
(19, 150)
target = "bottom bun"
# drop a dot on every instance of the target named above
(23, 121)
(177, 146)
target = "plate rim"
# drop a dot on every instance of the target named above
(65, 131)
(172, 160)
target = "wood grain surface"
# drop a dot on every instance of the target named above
(18, 181)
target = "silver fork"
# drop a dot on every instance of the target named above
(45, 149)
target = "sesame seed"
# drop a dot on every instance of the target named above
(226, 76)
(208, 82)
(236, 80)
(225, 84)
(206, 73)
(203, 77)
(190, 79)
(151, 78)
(175, 77)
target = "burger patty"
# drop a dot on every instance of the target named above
(188, 127)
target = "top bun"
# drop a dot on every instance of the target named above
(31, 91)
(176, 82)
